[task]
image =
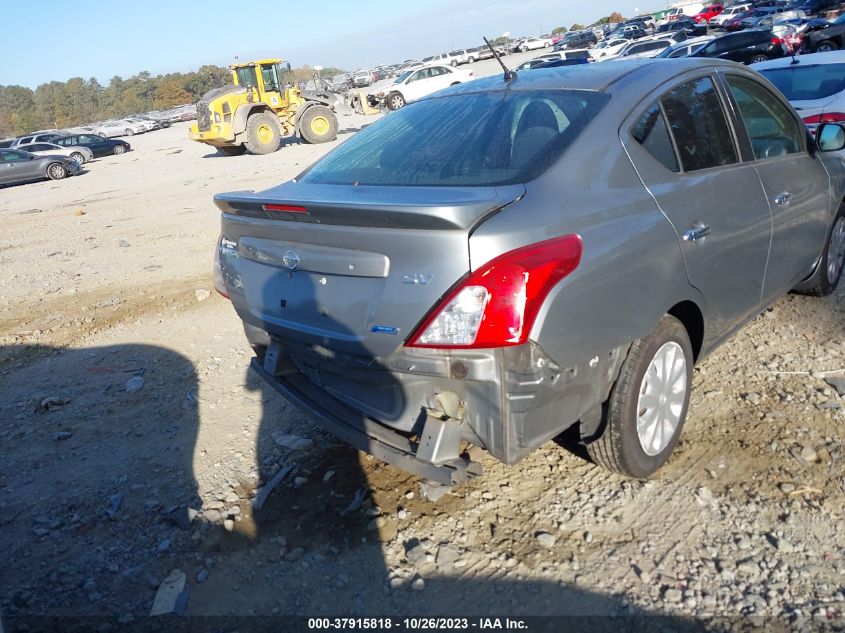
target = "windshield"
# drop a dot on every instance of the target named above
(403, 76)
(807, 83)
(271, 79)
(246, 76)
(481, 139)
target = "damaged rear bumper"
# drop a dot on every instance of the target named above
(363, 433)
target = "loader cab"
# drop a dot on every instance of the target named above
(267, 77)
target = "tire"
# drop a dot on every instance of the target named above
(118, 150)
(618, 445)
(454, 63)
(759, 58)
(103, 135)
(394, 101)
(56, 171)
(826, 46)
(231, 150)
(318, 124)
(78, 158)
(128, 132)
(262, 133)
(828, 272)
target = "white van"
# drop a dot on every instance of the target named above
(686, 10)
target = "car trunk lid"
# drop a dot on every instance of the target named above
(350, 269)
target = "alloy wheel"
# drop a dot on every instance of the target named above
(836, 251)
(662, 396)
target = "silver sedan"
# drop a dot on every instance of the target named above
(513, 256)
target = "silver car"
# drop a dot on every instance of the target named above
(17, 166)
(505, 259)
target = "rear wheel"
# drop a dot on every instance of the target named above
(231, 150)
(118, 149)
(825, 46)
(77, 157)
(56, 171)
(648, 404)
(262, 133)
(395, 101)
(318, 125)
(829, 269)
(128, 132)
(759, 58)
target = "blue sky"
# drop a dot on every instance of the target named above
(108, 38)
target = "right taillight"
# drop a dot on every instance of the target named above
(813, 121)
(827, 117)
(497, 304)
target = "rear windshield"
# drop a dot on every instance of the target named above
(480, 139)
(806, 83)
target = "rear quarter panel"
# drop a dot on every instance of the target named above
(631, 271)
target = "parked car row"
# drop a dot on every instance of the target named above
(53, 156)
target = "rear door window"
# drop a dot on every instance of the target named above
(771, 127)
(651, 132)
(699, 126)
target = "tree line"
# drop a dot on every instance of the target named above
(78, 101)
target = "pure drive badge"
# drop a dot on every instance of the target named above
(290, 259)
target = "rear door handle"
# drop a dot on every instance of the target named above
(697, 232)
(782, 199)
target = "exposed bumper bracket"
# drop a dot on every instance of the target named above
(364, 433)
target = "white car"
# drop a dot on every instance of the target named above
(76, 153)
(108, 129)
(533, 43)
(609, 47)
(639, 49)
(814, 85)
(728, 14)
(416, 84)
(568, 54)
(145, 123)
(685, 48)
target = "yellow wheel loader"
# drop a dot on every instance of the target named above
(259, 109)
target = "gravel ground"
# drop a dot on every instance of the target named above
(137, 449)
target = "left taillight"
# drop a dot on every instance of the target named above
(496, 305)
(219, 282)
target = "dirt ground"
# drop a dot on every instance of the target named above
(134, 440)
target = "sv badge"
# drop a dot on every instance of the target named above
(420, 279)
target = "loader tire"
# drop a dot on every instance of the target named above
(318, 124)
(231, 150)
(262, 133)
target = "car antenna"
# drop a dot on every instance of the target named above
(510, 75)
(794, 61)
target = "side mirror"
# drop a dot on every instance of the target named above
(830, 137)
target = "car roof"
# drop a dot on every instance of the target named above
(832, 57)
(598, 77)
